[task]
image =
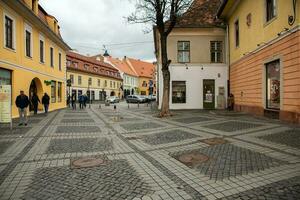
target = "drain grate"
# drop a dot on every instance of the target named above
(133, 138)
(214, 141)
(87, 162)
(192, 159)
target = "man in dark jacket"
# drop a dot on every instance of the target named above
(35, 102)
(46, 102)
(22, 103)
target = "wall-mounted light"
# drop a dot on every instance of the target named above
(202, 68)
(186, 66)
(283, 31)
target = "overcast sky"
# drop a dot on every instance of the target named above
(87, 25)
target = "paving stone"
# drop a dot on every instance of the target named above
(232, 126)
(167, 137)
(82, 120)
(141, 126)
(73, 145)
(117, 180)
(288, 189)
(79, 115)
(77, 129)
(189, 120)
(18, 130)
(289, 138)
(5, 145)
(227, 160)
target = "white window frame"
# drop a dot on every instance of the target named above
(28, 28)
(14, 30)
(42, 38)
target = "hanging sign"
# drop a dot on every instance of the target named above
(5, 103)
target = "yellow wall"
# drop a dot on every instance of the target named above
(94, 85)
(260, 31)
(140, 86)
(25, 69)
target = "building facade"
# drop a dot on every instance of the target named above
(197, 50)
(146, 74)
(264, 42)
(130, 78)
(32, 52)
(92, 77)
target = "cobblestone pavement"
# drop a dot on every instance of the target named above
(143, 156)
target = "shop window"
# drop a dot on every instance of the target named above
(273, 85)
(183, 48)
(216, 51)
(59, 91)
(5, 77)
(178, 92)
(53, 91)
(270, 9)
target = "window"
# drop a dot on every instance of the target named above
(72, 78)
(270, 9)
(59, 61)
(98, 82)
(110, 84)
(216, 51)
(144, 84)
(68, 63)
(105, 83)
(42, 53)
(96, 69)
(53, 92)
(28, 43)
(273, 85)
(114, 84)
(51, 57)
(59, 90)
(237, 33)
(79, 80)
(9, 34)
(183, 51)
(75, 64)
(90, 81)
(86, 66)
(178, 92)
(33, 5)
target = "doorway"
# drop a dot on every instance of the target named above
(35, 88)
(209, 94)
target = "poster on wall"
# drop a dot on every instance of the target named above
(208, 97)
(5, 103)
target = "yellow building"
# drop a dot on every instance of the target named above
(32, 52)
(92, 77)
(264, 41)
(146, 75)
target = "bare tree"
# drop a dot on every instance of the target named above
(163, 14)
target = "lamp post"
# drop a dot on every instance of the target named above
(89, 83)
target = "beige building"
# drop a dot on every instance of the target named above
(197, 49)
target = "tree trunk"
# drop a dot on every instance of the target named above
(165, 108)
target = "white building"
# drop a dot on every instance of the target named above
(199, 69)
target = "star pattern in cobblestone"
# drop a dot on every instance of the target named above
(79, 145)
(168, 137)
(189, 120)
(82, 120)
(77, 129)
(232, 126)
(227, 160)
(289, 138)
(140, 126)
(115, 181)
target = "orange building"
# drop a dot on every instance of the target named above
(264, 40)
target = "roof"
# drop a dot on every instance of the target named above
(142, 68)
(122, 66)
(202, 13)
(103, 69)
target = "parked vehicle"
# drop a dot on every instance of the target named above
(135, 99)
(113, 99)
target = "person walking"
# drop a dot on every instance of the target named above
(73, 101)
(35, 102)
(46, 102)
(85, 99)
(22, 103)
(81, 101)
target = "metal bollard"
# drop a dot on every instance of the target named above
(138, 104)
(100, 106)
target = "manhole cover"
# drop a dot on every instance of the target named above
(192, 159)
(214, 141)
(87, 162)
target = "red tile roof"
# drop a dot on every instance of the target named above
(94, 66)
(122, 66)
(202, 13)
(142, 68)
